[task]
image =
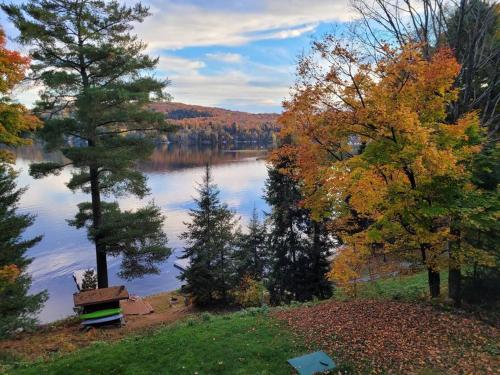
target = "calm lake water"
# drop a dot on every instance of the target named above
(172, 176)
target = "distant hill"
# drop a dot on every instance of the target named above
(197, 115)
(210, 125)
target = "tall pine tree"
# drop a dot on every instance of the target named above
(298, 246)
(251, 251)
(94, 100)
(210, 243)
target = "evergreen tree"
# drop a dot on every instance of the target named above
(210, 243)
(317, 267)
(298, 246)
(251, 253)
(17, 308)
(95, 90)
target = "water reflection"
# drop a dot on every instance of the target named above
(172, 175)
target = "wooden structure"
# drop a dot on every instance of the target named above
(101, 299)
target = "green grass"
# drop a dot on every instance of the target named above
(404, 288)
(239, 343)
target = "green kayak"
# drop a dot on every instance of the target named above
(100, 314)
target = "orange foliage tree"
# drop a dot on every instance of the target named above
(373, 149)
(15, 120)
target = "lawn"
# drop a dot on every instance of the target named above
(240, 343)
(388, 330)
(404, 288)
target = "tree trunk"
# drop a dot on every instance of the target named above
(432, 275)
(434, 282)
(223, 276)
(101, 261)
(455, 285)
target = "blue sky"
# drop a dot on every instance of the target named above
(235, 54)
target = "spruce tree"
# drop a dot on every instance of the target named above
(317, 265)
(94, 100)
(210, 243)
(17, 308)
(298, 246)
(251, 251)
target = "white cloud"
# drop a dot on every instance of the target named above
(179, 24)
(230, 88)
(179, 66)
(174, 25)
(293, 33)
(225, 57)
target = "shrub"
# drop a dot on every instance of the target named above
(250, 293)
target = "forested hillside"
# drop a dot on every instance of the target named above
(217, 126)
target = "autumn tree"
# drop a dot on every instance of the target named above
(210, 243)
(15, 120)
(95, 90)
(469, 28)
(375, 151)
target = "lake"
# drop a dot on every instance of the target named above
(172, 176)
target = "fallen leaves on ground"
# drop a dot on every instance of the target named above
(397, 338)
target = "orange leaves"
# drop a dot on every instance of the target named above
(13, 66)
(383, 337)
(370, 144)
(15, 120)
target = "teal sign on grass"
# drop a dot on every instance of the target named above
(313, 363)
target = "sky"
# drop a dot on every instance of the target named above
(234, 54)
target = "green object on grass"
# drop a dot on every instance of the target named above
(100, 314)
(313, 363)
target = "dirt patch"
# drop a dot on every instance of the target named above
(67, 336)
(397, 338)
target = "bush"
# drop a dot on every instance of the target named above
(250, 293)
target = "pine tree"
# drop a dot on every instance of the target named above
(251, 253)
(210, 243)
(95, 91)
(17, 308)
(298, 246)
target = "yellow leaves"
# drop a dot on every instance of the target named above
(250, 292)
(15, 120)
(367, 190)
(394, 113)
(346, 267)
(8, 275)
